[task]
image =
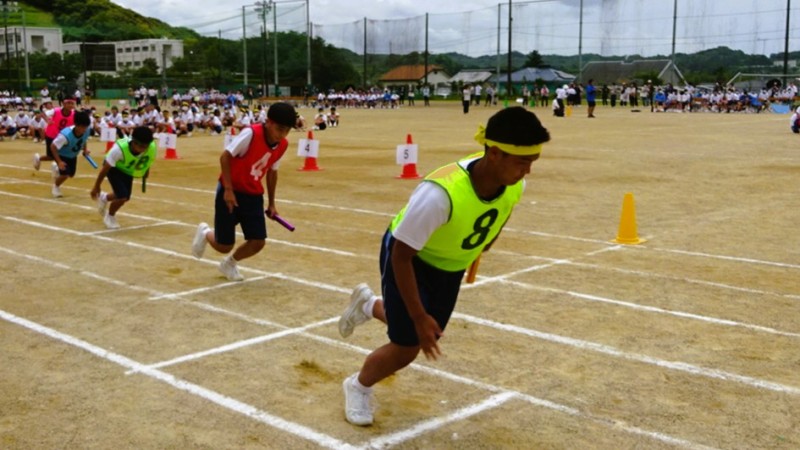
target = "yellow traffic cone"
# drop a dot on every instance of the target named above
(627, 223)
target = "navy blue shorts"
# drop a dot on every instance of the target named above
(72, 164)
(249, 214)
(438, 290)
(121, 183)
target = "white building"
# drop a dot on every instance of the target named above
(34, 39)
(131, 54)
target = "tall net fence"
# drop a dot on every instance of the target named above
(559, 27)
(613, 29)
(251, 20)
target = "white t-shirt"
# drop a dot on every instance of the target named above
(114, 155)
(428, 209)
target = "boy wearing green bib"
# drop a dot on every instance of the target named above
(125, 161)
(452, 216)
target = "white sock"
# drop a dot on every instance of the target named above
(359, 386)
(368, 306)
(103, 196)
(231, 259)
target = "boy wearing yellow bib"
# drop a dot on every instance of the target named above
(452, 216)
(125, 161)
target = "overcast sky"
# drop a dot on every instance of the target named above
(610, 27)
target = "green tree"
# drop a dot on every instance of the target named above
(149, 69)
(534, 59)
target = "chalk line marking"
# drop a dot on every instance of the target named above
(214, 397)
(388, 440)
(577, 343)
(657, 310)
(611, 351)
(416, 366)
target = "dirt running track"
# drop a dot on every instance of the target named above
(121, 339)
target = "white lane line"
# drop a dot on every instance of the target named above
(715, 284)
(162, 222)
(238, 345)
(510, 229)
(388, 440)
(586, 345)
(399, 437)
(203, 290)
(162, 251)
(611, 351)
(224, 401)
(646, 247)
(85, 273)
(132, 227)
(654, 309)
(555, 262)
(728, 258)
(415, 366)
(642, 273)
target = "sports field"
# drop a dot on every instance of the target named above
(121, 339)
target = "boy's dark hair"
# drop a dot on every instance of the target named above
(82, 119)
(516, 126)
(142, 135)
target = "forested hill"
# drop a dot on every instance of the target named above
(98, 20)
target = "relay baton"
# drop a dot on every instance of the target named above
(91, 161)
(280, 220)
(473, 270)
(144, 184)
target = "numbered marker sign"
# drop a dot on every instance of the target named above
(168, 140)
(406, 154)
(108, 134)
(308, 148)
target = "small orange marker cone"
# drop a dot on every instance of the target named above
(109, 144)
(310, 163)
(627, 223)
(409, 170)
(171, 152)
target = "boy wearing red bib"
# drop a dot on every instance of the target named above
(253, 155)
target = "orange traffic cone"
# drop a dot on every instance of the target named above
(627, 233)
(310, 164)
(171, 152)
(109, 144)
(409, 170)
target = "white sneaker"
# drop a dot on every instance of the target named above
(354, 314)
(110, 221)
(37, 162)
(56, 191)
(229, 268)
(102, 202)
(200, 241)
(357, 404)
(54, 172)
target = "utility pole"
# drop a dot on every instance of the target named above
(509, 88)
(25, 49)
(263, 8)
(786, 45)
(6, 8)
(244, 46)
(308, 46)
(275, 43)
